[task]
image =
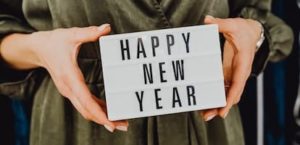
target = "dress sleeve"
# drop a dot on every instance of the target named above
(14, 83)
(279, 37)
(12, 19)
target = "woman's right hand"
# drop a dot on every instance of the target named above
(57, 51)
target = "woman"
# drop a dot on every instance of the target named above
(51, 34)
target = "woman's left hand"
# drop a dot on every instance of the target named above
(239, 51)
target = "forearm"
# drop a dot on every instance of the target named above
(16, 51)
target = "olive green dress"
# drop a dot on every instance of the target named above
(54, 121)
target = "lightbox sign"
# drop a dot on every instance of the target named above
(163, 71)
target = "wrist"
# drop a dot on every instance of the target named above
(16, 51)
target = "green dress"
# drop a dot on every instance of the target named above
(54, 121)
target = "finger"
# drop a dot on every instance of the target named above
(74, 100)
(92, 33)
(242, 70)
(229, 103)
(65, 90)
(86, 115)
(85, 98)
(225, 25)
(98, 114)
(121, 125)
(103, 106)
(228, 55)
(241, 73)
(209, 114)
(101, 103)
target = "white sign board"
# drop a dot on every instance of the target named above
(163, 71)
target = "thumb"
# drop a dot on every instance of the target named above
(225, 25)
(92, 33)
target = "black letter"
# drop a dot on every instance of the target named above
(161, 72)
(186, 40)
(157, 99)
(178, 68)
(176, 98)
(140, 99)
(170, 42)
(125, 49)
(148, 73)
(140, 48)
(155, 44)
(191, 94)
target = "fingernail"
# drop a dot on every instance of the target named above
(225, 115)
(103, 27)
(122, 128)
(209, 16)
(110, 129)
(210, 117)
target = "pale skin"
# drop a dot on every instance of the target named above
(239, 50)
(57, 51)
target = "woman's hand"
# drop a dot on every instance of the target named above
(239, 50)
(57, 52)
